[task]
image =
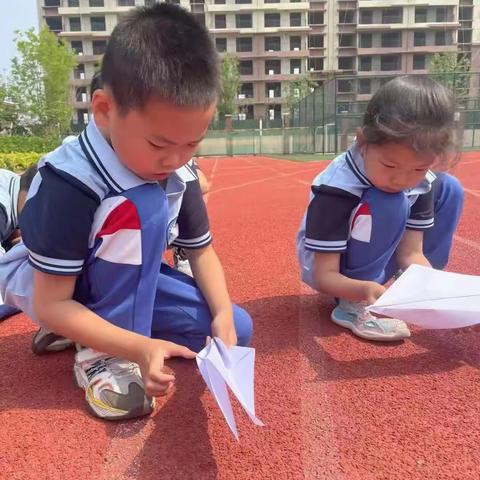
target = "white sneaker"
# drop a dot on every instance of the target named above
(113, 387)
(354, 316)
(181, 263)
(45, 341)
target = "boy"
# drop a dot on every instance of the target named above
(13, 192)
(96, 222)
(378, 208)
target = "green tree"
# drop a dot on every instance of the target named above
(451, 70)
(39, 82)
(230, 78)
(298, 89)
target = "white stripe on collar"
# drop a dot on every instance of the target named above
(114, 173)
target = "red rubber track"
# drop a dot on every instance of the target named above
(335, 407)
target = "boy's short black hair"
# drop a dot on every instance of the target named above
(96, 83)
(161, 52)
(27, 176)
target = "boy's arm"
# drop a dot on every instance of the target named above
(55, 308)
(410, 250)
(208, 273)
(329, 280)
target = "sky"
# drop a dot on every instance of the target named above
(15, 15)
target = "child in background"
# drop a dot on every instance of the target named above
(378, 207)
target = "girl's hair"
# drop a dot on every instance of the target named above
(414, 110)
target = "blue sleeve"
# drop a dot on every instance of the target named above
(56, 222)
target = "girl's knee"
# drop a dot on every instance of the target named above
(451, 188)
(243, 326)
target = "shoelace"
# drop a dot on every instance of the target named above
(110, 365)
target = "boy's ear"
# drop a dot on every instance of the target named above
(360, 137)
(102, 107)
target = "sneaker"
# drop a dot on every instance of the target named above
(354, 316)
(113, 387)
(45, 341)
(180, 261)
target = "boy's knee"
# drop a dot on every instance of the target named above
(243, 326)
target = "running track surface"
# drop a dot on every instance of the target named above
(335, 407)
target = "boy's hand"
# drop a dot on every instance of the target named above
(224, 328)
(373, 291)
(151, 363)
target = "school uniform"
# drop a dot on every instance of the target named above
(88, 215)
(346, 214)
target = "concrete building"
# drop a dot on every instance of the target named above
(278, 40)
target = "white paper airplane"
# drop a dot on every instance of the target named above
(234, 367)
(432, 299)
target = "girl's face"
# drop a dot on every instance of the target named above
(393, 167)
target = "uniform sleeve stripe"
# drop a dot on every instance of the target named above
(325, 249)
(327, 244)
(55, 261)
(53, 268)
(189, 244)
(188, 241)
(420, 223)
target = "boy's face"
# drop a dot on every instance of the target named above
(154, 141)
(393, 167)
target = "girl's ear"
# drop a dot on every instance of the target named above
(360, 137)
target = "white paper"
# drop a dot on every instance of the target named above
(432, 299)
(234, 367)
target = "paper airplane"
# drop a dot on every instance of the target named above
(432, 299)
(234, 367)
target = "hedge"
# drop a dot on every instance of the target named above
(19, 161)
(27, 144)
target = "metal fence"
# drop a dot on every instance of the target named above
(326, 120)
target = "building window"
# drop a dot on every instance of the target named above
(295, 66)
(126, 3)
(244, 44)
(272, 44)
(243, 20)
(271, 1)
(391, 39)
(346, 16)
(221, 44)
(54, 23)
(365, 64)
(315, 64)
(77, 46)
(345, 63)
(272, 67)
(96, 3)
(392, 15)
(220, 21)
(440, 38)
(366, 40)
(243, 1)
(344, 86)
(295, 19)
(346, 40)
(315, 18)
(73, 3)
(464, 36)
(465, 13)
(419, 39)
(315, 41)
(273, 90)
(364, 86)
(441, 14)
(420, 14)
(245, 67)
(419, 62)
(389, 63)
(75, 25)
(366, 17)
(79, 72)
(272, 19)
(81, 94)
(99, 47)
(246, 90)
(97, 24)
(52, 3)
(219, 2)
(295, 43)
